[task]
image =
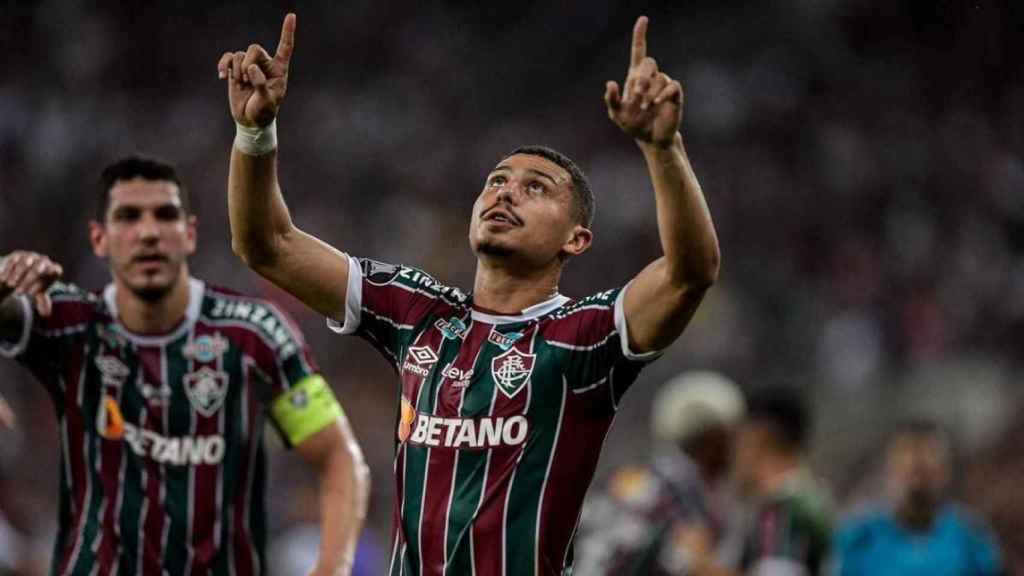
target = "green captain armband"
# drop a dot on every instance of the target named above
(306, 408)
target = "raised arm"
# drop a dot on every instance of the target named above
(27, 274)
(262, 232)
(663, 297)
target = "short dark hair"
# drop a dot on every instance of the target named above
(583, 196)
(920, 427)
(784, 409)
(136, 166)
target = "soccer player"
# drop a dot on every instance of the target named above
(787, 528)
(920, 531)
(506, 393)
(162, 385)
(626, 528)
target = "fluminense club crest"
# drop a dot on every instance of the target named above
(511, 371)
(206, 389)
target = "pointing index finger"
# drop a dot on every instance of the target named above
(639, 51)
(287, 42)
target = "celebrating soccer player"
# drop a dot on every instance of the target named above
(162, 385)
(506, 393)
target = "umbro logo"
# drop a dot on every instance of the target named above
(419, 361)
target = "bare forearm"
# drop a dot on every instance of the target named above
(687, 233)
(259, 217)
(344, 494)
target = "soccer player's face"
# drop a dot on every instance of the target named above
(146, 236)
(525, 211)
(917, 470)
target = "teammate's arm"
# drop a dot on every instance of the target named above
(262, 231)
(28, 274)
(663, 297)
(344, 492)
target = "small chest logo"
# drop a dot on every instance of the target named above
(419, 361)
(459, 377)
(512, 370)
(452, 328)
(206, 390)
(206, 348)
(503, 341)
(112, 370)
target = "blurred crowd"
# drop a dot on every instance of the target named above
(863, 163)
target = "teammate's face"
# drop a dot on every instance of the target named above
(146, 236)
(917, 471)
(525, 212)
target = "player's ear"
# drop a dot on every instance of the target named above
(191, 233)
(98, 239)
(579, 240)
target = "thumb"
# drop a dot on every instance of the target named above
(611, 95)
(43, 304)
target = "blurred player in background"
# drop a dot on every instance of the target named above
(625, 529)
(162, 385)
(920, 532)
(507, 393)
(786, 529)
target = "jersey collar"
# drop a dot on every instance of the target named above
(531, 313)
(196, 289)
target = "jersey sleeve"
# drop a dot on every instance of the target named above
(46, 342)
(299, 400)
(594, 340)
(385, 302)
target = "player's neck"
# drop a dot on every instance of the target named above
(500, 289)
(153, 317)
(777, 472)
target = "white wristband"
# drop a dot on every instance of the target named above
(256, 141)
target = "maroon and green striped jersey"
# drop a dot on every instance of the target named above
(501, 418)
(162, 468)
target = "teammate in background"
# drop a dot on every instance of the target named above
(920, 532)
(161, 385)
(626, 528)
(506, 393)
(787, 528)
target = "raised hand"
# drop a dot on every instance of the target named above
(650, 106)
(256, 82)
(30, 274)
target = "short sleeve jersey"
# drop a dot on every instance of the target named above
(162, 461)
(501, 417)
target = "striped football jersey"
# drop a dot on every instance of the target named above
(500, 422)
(162, 459)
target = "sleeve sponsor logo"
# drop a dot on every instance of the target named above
(503, 341)
(206, 348)
(206, 390)
(262, 317)
(178, 451)
(419, 360)
(512, 370)
(112, 370)
(378, 273)
(467, 433)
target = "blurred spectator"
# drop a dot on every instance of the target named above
(625, 527)
(919, 532)
(786, 529)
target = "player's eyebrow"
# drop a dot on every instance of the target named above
(532, 171)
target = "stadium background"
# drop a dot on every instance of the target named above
(863, 162)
